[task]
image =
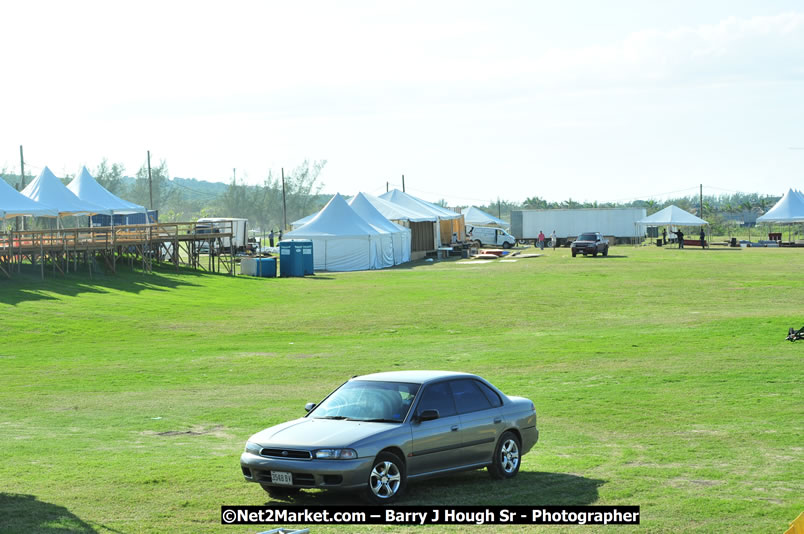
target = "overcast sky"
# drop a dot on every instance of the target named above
(471, 101)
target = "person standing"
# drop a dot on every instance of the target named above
(280, 235)
(664, 235)
(271, 238)
(541, 240)
(553, 239)
(680, 237)
(703, 238)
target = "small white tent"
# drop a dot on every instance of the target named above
(398, 237)
(15, 204)
(789, 209)
(49, 190)
(342, 239)
(86, 188)
(477, 217)
(672, 216)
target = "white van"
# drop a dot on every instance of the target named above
(487, 235)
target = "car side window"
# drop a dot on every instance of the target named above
(490, 394)
(468, 396)
(437, 397)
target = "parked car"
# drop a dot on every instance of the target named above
(487, 235)
(590, 243)
(376, 432)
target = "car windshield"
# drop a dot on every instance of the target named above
(368, 400)
(587, 237)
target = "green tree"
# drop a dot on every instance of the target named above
(111, 176)
(141, 193)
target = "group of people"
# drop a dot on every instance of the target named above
(271, 238)
(552, 240)
(680, 237)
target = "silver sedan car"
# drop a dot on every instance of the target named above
(376, 432)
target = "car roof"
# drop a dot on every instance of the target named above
(414, 377)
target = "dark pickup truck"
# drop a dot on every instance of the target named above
(590, 243)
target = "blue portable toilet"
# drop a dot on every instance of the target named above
(292, 257)
(307, 255)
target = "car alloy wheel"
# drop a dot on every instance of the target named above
(506, 457)
(387, 478)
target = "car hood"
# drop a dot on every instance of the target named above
(584, 242)
(309, 432)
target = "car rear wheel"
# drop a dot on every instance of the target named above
(506, 457)
(387, 479)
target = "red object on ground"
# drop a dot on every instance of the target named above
(495, 251)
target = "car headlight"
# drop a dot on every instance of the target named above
(253, 448)
(335, 454)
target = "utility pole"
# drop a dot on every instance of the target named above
(150, 183)
(21, 220)
(403, 183)
(700, 202)
(386, 187)
(284, 205)
(234, 175)
(499, 209)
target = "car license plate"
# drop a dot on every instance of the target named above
(281, 477)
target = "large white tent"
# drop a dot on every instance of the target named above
(342, 239)
(789, 209)
(396, 238)
(49, 190)
(672, 216)
(449, 221)
(86, 188)
(476, 217)
(15, 204)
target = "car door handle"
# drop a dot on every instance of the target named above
(454, 428)
(498, 419)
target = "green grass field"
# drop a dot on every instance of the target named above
(661, 379)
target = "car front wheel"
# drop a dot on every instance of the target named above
(506, 457)
(506, 245)
(606, 251)
(387, 479)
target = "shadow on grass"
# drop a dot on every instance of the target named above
(477, 488)
(25, 513)
(25, 286)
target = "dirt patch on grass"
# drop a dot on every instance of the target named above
(195, 431)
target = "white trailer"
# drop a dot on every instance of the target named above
(570, 223)
(227, 224)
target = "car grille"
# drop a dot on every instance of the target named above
(286, 453)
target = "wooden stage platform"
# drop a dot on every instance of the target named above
(78, 249)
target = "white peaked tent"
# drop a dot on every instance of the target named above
(477, 217)
(86, 188)
(672, 216)
(789, 209)
(342, 239)
(15, 204)
(449, 221)
(395, 237)
(395, 212)
(49, 190)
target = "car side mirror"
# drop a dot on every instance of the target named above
(428, 415)
(309, 406)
